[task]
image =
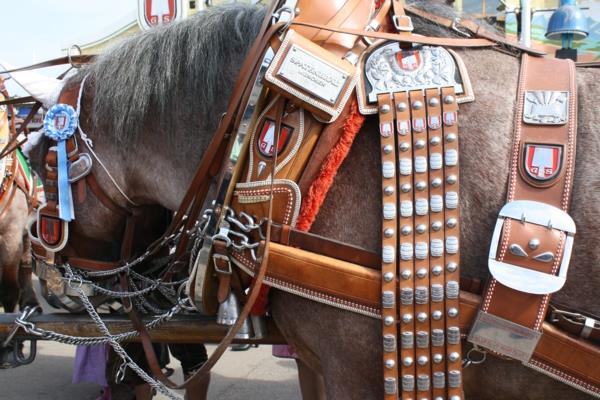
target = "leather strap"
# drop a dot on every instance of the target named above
(80, 59)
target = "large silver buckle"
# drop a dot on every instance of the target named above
(524, 279)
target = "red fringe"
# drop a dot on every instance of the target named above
(318, 189)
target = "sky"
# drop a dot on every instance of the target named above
(37, 30)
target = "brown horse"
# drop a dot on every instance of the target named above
(151, 104)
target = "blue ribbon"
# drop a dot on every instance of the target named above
(59, 125)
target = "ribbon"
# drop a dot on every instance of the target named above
(59, 125)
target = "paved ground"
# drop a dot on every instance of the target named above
(249, 375)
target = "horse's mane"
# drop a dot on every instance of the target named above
(145, 81)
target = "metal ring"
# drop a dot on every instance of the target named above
(70, 56)
(277, 16)
(470, 360)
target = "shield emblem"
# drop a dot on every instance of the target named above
(542, 162)
(403, 127)
(419, 124)
(434, 122)
(266, 139)
(51, 230)
(153, 13)
(409, 60)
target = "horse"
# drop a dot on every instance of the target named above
(16, 210)
(151, 104)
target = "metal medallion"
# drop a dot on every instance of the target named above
(546, 107)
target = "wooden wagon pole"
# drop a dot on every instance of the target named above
(180, 329)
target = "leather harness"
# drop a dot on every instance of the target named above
(413, 287)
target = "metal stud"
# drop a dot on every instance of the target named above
(452, 312)
(388, 276)
(388, 190)
(408, 383)
(387, 149)
(435, 140)
(421, 228)
(406, 274)
(423, 382)
(439, 380)
(437, 337)
(389, 343)
(437, 270)
(402, 106)
(388, 299)
(453, 335)
(450, 137)
(421, 273)
(404, 146)
(407, 340)
(437, 292)
(437, 358)
(406, 318)
(455, 397)
(389, 364)
(436, 182)
(421, 297)
(438, 398)
(452, 267)
(406, 296)
(388, 321)
(451, 179)
(261, 167)
(406, 187)
(421, 185)
(422, 339)
(452, 289)
(417, 105)
(385, 108)
(390, 385)
(434, 102)
(422, 317)
(451, 222)
(436, 225)
(388, 232)
(420, 144)
(534, 244)
(454, 356)
(454, 382)
(406, 230)
(449, 99)
(407, 361)
(436, 315)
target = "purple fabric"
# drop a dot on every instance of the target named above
(90, 364)
(284, 351)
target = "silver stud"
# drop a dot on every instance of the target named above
(388, 299)
(407, 340)
(406, 187)
(420, 144)
(451, 179)
(436, 315)
(439, 381)
(417, 105)
(436, 225)
(423, 384)
(452, 312)
(422, 339)
(389, 343)
(436, 182)
(388, 276)
(421, 185)
(451, 222)
(406, 318)
(402, 106)
(452, 267)
(452, 290)
(422, 360)
(389, 364)
(534, 244)
(435, 140)
(437, 337)
(404, 146)
(421, 273)
(387, 149)
(388, 321)
(449, 99)
(437, 270)
(438, 397)
(422, 317)
(384, 108)
(406, 296)
(455, 397)
(454, 335)
(408, 383)
(390, 385)
(454, 382)
(388, 233)
(406, 274)
(437, 358)
(261, 167)
(407, 361)
(388, 190)
(434, 102)
(454, 356)
(406, 230)
(450, 137)
(421, 228)
(437, 292)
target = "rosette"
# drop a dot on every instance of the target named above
(59, 125)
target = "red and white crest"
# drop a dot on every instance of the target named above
(153, 13)
(266, 139)
(409, 60)
(542, 162)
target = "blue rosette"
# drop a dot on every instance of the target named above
(59, 125)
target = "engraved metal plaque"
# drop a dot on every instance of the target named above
(390, 69)
(313, 74)
(546, 107)
(504, 337)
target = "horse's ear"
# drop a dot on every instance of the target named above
(42, 88)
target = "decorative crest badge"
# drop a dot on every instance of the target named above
(153, 13)
(266, 139)
(546, 107)
(542, 162)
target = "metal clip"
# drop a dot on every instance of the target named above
(222, 257)
(458, 28)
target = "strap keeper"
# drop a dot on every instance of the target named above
(403, 23)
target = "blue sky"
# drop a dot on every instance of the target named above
(37, 30)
